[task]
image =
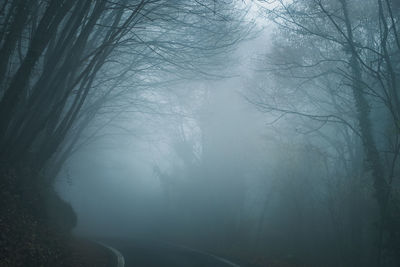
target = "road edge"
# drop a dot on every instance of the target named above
(120, 257)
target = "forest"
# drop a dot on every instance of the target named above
(254, 133)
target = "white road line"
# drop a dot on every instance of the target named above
(120, 257)
(224, 260)
(207, 254)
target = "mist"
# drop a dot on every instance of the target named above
(200, 133)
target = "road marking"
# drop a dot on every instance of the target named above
(120, 257)
(207, 254)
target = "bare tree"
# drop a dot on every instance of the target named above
(324, 50)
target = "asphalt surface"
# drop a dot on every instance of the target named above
(157, 254)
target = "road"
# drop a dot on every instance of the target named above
(157, 254)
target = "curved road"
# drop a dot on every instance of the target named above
(155, 254)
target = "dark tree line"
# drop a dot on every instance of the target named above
(67, 65)
(52, 52)
(342, 61)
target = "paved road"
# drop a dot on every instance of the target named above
(156, 254)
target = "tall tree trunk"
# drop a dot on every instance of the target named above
(47, 27)
(363, 111)
(14, 33)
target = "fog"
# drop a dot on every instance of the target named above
(209, 164)
(257, 133)
(162, 170)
